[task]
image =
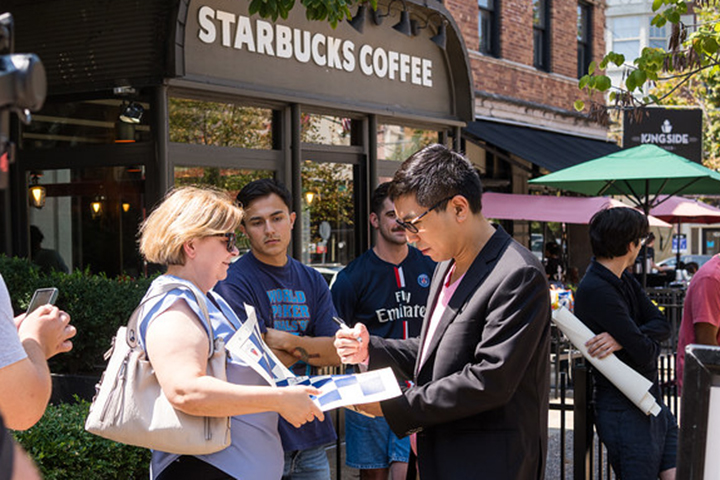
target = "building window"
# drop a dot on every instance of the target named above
(221, 124)
(584, 38)
(541, 34)
(488, 27)
(398, 142)
(658, 37)
(626, 36)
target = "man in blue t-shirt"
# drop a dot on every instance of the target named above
(386, 289)
(294, 310)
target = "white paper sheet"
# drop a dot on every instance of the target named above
(344, 390)
(633, 385)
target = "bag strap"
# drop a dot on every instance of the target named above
(163, 289)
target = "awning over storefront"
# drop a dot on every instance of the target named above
(552, 151)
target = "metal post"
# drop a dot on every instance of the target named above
(583, 428)
(563, 384)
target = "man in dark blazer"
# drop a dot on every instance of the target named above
(480, 368)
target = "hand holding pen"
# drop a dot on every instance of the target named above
(351, 343)
(344, 326)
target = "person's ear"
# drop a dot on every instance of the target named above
(190, 248)
(292, 219)
(460, 207)
(374, 220)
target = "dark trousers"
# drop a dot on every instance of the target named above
(187, 467)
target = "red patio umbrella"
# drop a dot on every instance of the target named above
(674, 209)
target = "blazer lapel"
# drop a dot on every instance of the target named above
(481, 266)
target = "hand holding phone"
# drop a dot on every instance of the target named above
(51, 329)
(42, 296)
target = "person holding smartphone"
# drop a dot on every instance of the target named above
(29, 340)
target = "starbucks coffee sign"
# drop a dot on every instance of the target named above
(676, 130)
(292, 59)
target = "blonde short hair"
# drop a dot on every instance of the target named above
(184, 214)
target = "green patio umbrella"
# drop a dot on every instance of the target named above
(641, 173)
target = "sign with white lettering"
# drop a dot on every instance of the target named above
(297, 58)
(676, 130)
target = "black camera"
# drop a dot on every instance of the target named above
(23, 87)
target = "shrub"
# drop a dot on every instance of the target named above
(98, 306)
(63, 449)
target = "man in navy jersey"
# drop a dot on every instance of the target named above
(294, 310)
(386, 289)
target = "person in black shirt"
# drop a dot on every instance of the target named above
(614, 306)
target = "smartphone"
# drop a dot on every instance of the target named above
(42, 296)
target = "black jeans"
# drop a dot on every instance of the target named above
(192, 468)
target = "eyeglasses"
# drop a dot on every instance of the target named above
(644, 240)
(410, 225)
(231, 239)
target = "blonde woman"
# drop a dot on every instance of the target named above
(192, 232)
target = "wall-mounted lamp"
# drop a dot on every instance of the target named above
(125, 206)
(131, 112)
(36, 192)
(96, 206)
(403, 26)
(310, 196)
(440, 38)
(358, 21)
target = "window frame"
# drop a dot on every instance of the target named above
(492, 13)
(541, 32)
(584, 46)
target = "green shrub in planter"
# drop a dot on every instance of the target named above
(98, 306)
(63, 449)
(21, 277)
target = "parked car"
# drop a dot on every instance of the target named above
(329, 272)
(685, 259)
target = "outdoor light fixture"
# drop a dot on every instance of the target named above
(310, 195)
(440, 39)
(131, 112)
(125, 206)
(96, 206)
(403, 26)
(358, 21)
(36, 192)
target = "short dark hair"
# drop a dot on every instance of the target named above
(378, 198)
(435, 173)
(613, 229)
(262, 188)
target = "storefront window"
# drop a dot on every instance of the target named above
(396, 142)
(220, 124)
(89, 122)
(89, 219)
(327, 213)
(325, 129)
(230, 179)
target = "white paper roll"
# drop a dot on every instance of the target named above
(633, 385)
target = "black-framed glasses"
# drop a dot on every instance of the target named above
(231, 238)
(643, 240)
(410, 225)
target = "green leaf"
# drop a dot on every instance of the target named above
(584, 80)
(603, 83)
(579, 105)
(592, 67)
(710, 45)
(612, 96)
(656, 5)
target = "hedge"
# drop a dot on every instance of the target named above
(97, 305)
(62, 448)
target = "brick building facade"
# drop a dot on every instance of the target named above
(525, 121)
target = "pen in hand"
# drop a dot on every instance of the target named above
(344, 326)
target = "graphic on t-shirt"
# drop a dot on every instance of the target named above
(289, 309)
(403, 310)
